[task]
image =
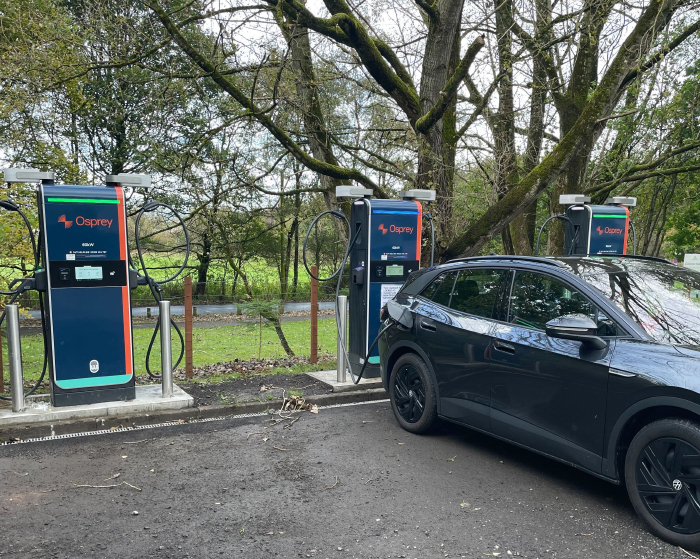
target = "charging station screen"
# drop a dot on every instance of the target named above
(88, 273)
(394, 271)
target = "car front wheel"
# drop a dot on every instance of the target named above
(412, 394)
(662, 474)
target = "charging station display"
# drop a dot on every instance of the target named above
(386, 251)
(89, 318)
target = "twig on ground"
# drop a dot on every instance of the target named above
(292, 422)
(115, 476)
(451, 459)
(366, 482)
(108, 486)
(332, 486)
(688, 553)
(278, 448)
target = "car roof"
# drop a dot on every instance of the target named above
(559, 261)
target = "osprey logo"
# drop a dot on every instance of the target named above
(609, 230)
(66, 223)
(395, 229)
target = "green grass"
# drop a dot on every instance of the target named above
(211, 345)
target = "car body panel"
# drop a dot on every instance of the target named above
(550, 395)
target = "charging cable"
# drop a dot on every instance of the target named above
(156, 286)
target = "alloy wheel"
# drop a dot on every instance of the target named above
(668, 482)
(409, 394)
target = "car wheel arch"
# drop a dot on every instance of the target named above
(402, 348)
(634, 418)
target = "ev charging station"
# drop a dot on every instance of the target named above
(384, 247)
(85, 254)
(595, 229)
(598, 229)
(86, 274)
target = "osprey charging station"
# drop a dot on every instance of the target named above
(84, 274)
(384, 248)
(595, 229)
(385, 252)
(85, 252)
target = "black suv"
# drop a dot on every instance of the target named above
(592, 361)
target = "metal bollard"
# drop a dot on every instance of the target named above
(14, 352)
(343, 312)
(166, 349)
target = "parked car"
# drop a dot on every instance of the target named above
(593, 361)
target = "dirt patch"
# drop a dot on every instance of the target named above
(265, 388)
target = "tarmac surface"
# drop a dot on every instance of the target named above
(347, 482)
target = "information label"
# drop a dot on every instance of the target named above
(692, 261)
(389, 290)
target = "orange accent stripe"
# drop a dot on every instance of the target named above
(418, 237)
(627, 229)
(126, 310)
(121, 213)
(127, 331)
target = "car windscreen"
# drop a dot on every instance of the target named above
(662, 298)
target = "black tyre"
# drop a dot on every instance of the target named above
(412, 394)
(662, 474)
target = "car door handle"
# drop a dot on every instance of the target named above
(504, 347)
(428, 326)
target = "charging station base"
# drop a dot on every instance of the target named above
(329, 378)
(148, 399)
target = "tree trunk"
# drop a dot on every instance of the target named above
(204, 263)
(314, 119)
(436, 148)
(522, 229)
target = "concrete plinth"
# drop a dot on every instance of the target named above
(329, 378)
(148, 399)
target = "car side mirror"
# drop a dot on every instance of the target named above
(576, 327)
(400, 314)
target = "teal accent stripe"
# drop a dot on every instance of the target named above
(93, 381)
(611, 216)
(373, 360)
(81, 201)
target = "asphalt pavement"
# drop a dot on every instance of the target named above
(345, 483)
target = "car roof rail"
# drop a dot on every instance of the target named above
(508, 257)
(632, 257)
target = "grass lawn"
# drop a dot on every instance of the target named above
(214, 344)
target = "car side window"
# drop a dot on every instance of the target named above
(535, 299)
(476, 291)
(440, 289)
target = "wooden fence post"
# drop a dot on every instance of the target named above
(188, 327)
(314, 316)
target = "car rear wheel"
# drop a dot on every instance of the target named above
(662, 474)
(412, 394)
